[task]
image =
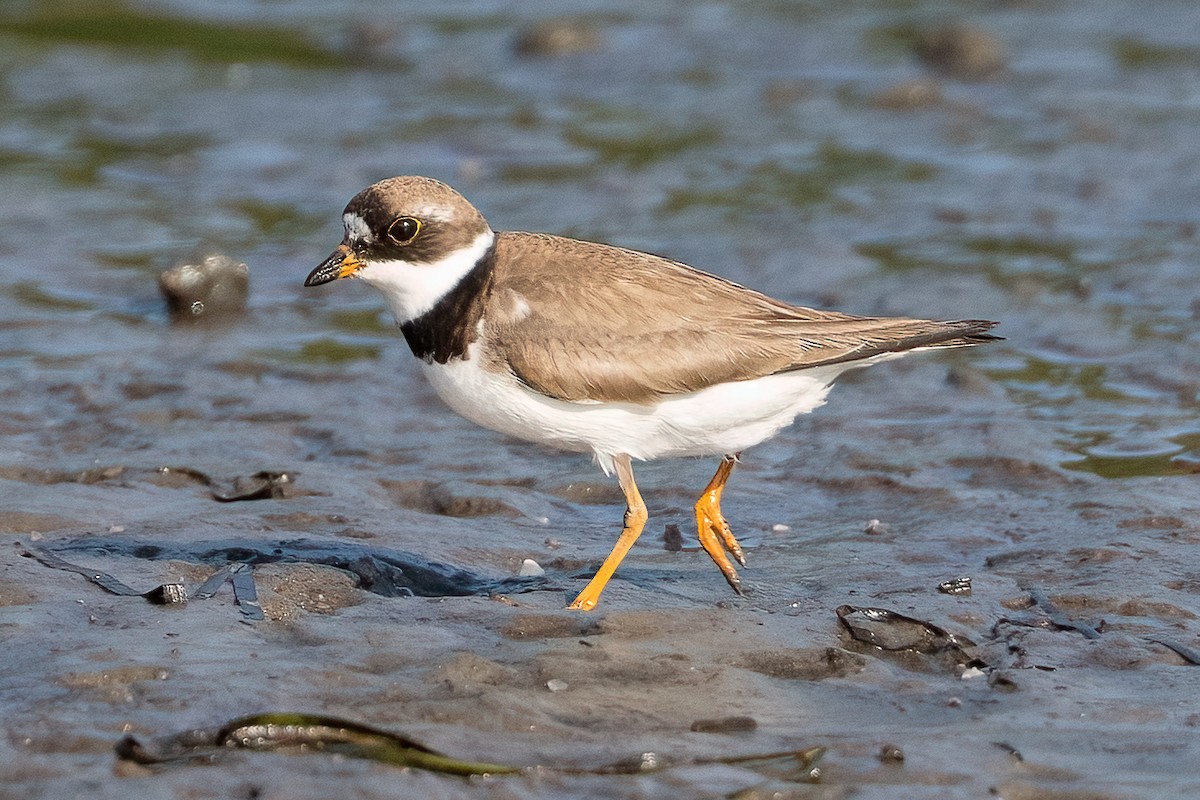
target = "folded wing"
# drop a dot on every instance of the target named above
(632, 327)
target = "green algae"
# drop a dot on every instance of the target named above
(129, 29)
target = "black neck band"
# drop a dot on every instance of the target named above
(448, 329)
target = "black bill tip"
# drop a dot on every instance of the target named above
(342, 263)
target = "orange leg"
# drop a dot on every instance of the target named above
(635, 520)
(715, 536)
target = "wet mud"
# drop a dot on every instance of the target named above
(970, 574)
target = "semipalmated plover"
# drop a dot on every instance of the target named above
(594, 348)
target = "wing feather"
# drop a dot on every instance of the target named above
(632, 327)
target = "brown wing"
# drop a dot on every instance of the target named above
(632, 327)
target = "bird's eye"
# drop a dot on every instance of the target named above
(404, 229)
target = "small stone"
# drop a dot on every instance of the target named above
(672, 539)
(972, 672)
(556, 685)
(530, 569)
(779, 527)
(216, 286)
(891, 754)
(876, 528)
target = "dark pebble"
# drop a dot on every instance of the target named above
(672, 539)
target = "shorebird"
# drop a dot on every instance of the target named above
(599, 349)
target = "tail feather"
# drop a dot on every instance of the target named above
(957, 333)
(973, 334)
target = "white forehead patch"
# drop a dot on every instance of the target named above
(356, 228)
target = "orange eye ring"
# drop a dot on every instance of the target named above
(404, 229)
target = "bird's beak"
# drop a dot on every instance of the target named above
(342, 263)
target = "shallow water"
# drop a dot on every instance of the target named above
(800, 148)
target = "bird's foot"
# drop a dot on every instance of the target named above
(635, 520)
(718, 540)
(586, 600)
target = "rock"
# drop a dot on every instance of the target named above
(529, 567)
(217, 286)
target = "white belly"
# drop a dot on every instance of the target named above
(726, 418)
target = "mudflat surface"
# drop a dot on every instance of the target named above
(1040, 168)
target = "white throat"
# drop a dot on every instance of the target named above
(412, 289)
